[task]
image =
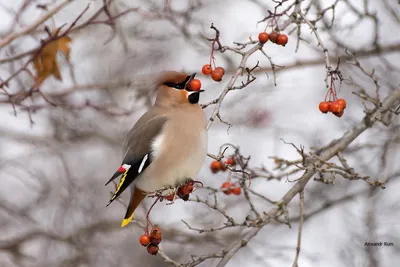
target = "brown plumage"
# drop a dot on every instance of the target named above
(168, 144)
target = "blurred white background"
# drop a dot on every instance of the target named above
(52, 172)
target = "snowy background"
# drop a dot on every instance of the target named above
(52, 172)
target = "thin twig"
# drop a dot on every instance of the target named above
(8, 39)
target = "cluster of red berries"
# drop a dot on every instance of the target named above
(216, 74)
(275, 37)
(194, 85)
(217, 166)
(152, 240)
(182, 192)
(230, 188)
(336, 107)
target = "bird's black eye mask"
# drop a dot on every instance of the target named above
(178, 86)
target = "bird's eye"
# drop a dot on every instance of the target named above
(178, 86)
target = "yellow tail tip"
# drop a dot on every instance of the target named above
(127, 221)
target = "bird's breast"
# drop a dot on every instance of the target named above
(178, 153)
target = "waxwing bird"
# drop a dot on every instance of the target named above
(167, 145)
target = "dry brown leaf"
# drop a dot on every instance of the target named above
(45, 62)
(63, 46)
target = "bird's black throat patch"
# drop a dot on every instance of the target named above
(194, 98)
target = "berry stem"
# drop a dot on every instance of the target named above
(326, 95)
(334, 90)
(212, 58)
(274, 23)
(148, 214)
(197, 182)
(332, 87)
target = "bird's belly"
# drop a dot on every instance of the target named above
(190, 165)
(186, 166)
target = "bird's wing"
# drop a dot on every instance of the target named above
(138, 150)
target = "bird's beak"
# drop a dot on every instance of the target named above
(192, 76)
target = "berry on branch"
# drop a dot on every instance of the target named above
(206, 70)
(144, 240)
(324, 107)
(342, 103)
(282, 39)
(227, 185)
(188, 188)
(331, 102)
(273, 37)
(220, 69)
(170, 197)
(155, 233)
(155, 241)
(335, 107)
(263, 37)
(236, 191)
(155, 236)
(152, 249)
(217, 74)
(230, 161)
(216, 166)
(339, 114)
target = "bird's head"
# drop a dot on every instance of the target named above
(173, 88)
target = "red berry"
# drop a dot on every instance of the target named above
(227, 185)
(230, 161)
(221, 69)
(155, 241)
(263, 37)
(217, 74)
(335, 107)
(155, 236)
(342, 103)
(236, 190)
(282, 39)
(180, 192)
(339, 114)
(188, 188)
(216, 166)
(195, 85)
(155, 233)
(273, 36)
(183, 196)
(324, 107)
(152, 249)
(206, 70)
(170, 197)
(144, 240)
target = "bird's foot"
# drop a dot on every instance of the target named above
(181, 190)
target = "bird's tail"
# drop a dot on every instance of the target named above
(136, 197)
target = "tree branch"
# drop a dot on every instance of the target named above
(8, 39)
(328, 152)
